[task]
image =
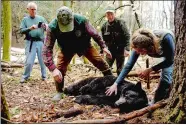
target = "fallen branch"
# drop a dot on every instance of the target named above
(7, 70)
(72, 112)
(125, 117)
(134, 74)
(7, 65)
(98, 121)
(143, 111)
(66, 114)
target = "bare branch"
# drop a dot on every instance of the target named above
(113, 2)
(101, 18)
(136, 15)
(97, 7)
(123, 6)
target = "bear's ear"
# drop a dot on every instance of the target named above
(138, 85)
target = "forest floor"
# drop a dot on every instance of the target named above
(31, 102)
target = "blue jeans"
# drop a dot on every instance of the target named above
(30, 58)
(166, 74)
(164, 87)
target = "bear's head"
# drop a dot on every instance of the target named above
(133, 96)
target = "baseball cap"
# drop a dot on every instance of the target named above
(65, 19)
(110, 9)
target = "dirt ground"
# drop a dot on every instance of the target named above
(31, 102)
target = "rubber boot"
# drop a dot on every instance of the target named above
(59, 89)
(162, 92)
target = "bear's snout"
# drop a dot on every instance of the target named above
(121, 101)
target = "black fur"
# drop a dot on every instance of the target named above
(92, 91)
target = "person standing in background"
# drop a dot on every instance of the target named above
(33, 26)
(116, 36)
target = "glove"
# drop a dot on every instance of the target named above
(112, 89)
(57, 75)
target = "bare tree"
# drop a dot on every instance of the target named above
(171, 11)
(165, 15)
(5, 115)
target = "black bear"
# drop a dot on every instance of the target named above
(92, 91)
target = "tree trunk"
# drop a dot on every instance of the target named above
(176, 108)
(171, 21)
(4, 108)
(165, 16)
(136, 15)
(7, 30)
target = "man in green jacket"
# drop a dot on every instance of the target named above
(116, 36)
(73, 33)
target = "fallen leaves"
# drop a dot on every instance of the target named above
(31, 101)
(15, 110)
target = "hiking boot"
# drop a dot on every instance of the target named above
(59, 88)
(22, 80)
(57, 97)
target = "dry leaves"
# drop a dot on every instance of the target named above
(31, 102)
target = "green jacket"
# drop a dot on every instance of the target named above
(77, 40)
